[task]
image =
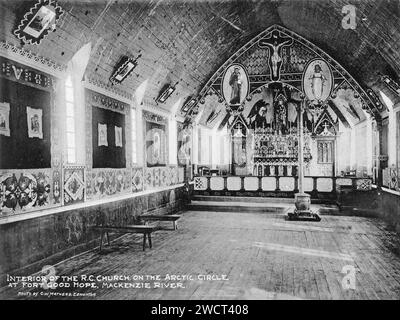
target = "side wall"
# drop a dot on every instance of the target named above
(28, 245)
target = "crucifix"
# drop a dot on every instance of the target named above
(275, 43)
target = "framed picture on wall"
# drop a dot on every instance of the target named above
(124, 69)
(118, 136)
(5, 119)
(38, 21)
(35, 122)
(102, 133)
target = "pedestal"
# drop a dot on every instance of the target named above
(302, 201)
(302, 210)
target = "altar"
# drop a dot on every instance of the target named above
(265, 137)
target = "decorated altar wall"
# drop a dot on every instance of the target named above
(260, 88)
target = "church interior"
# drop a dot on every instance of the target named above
(204, 149)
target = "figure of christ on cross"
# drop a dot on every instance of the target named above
(275, 44)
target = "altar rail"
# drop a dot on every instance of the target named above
(318, 187)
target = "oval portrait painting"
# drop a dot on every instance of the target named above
(317, 81)
(235, 85)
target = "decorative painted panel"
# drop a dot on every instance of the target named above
(101, 182)
(24, 190)
(216, 183)
(184, 144)
(157, 177)
(156, 139)
(200, 183)
(251, 183)
(74, 185)
(394, 179)
(386, 177)
(344, 182)
(37, 183)
(181, 174)
(280, 55)
(173, 175)
(233, 183)
(268, 183)
(364, 184)
(324, 184)
(108, 182)
(137, 179)
(308, 184)
(286, 183)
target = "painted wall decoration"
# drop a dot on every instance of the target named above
(156, 141)
(317, 81)
(275, 42)
(23, 190)
(184, 145)
(137, 179)
(38, 21)
(239, 135)
(235, 85)
(104, 180)
(5, 119)
(157, 177)
(118, 136)
(34, 122)
(30, 123)
(108, 144)
(102, 135)
(108, 182)
(74, 228)
(74, 185)
(280, 55)
(16, 71)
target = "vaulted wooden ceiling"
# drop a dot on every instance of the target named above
(185, 42)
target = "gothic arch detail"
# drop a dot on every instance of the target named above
(280, 55)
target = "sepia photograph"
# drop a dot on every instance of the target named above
(197, 157)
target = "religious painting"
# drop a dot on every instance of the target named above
(317, 81)
(5, 119)
(239, 155)
(276, 110)
(235, 85)
(156, 140)
(275, 43)
(35, 126)
(118, 136)
(102, 134)
(38, 21)
(184, 146)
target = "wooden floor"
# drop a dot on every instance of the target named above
(263, 255)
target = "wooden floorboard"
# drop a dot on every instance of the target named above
(263, 255)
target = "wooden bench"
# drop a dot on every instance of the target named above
(163, 217)
(145, 229)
